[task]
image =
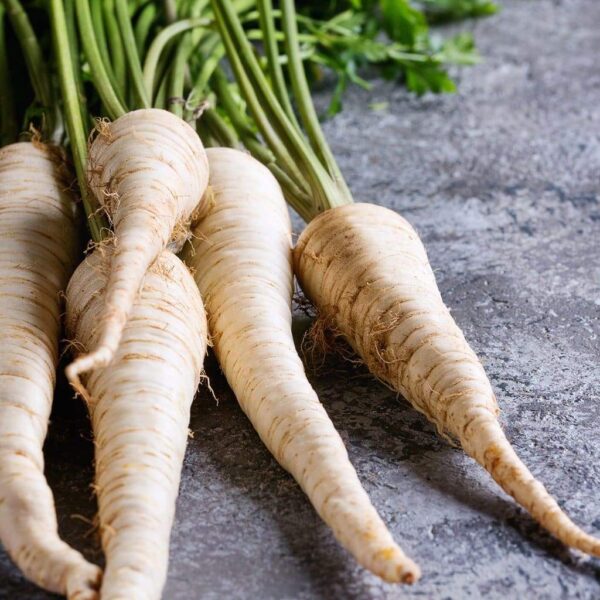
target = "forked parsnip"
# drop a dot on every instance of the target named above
(38, 251)
(140, 410)
(242, 263)
(148, 170)
(367, 271)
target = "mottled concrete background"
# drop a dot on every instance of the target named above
(502, 181)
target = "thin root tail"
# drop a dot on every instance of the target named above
(85, 363)
(83, 583)
(488, 444)
(408, 572)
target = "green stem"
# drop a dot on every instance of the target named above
(242, 126)
(258, 97)
(239, 120)
(111, 101)
(39, 73)
(98, 24)
(115, 62)
(240, 51)
(180, 71)
(163, 71)
(267, 25)
(161, 93)
(69, 8)
(243, 129)
(259, 36)
(197, 37)
(206, 136)
(143, 25)
(134, 5)
(176, 85)
(297, 198)
(294, 154)
(170, 7)
(131, 52)
(303, 98)
(73, 117)
(160, 42)
(213, 52)
(8, 115)
(219, 129)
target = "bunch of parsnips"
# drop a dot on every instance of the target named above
(178, 230)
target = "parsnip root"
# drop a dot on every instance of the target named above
(242, 264)
(149, 171)
(38, 249)
(140, 409)
(366, 270)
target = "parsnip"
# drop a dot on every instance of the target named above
(148, 170)
(241, 260)
(366, 270)
(38, 250)
(133, 310)
(140, 408)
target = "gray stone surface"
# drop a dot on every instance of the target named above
(502, 181)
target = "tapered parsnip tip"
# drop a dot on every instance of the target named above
(589, 544)
(85, 363)
(83, 583)
(570, 534)
(410, 574)
(393, 566)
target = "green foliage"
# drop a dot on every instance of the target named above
(402, 22)
(391, 36)
(443, 11)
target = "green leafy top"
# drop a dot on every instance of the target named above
(392, 36)
(290, 141)
(118, 55)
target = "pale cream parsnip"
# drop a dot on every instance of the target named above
(140, 410)
(242, 262)
(148, 170)
(38, 251)
(366, 270)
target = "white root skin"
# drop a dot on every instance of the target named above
(38, 249)
(242, 263)
(140, 410)
(367, 272)
(149, 171)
